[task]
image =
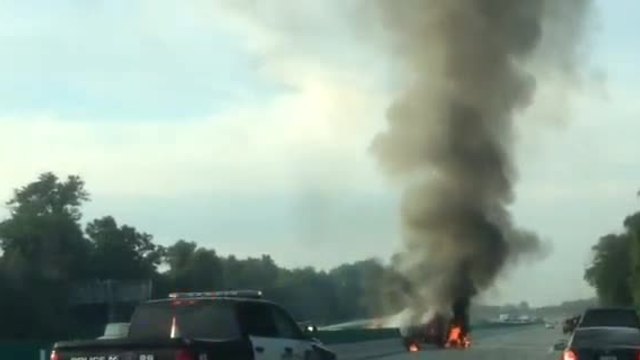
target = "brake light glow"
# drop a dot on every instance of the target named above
(569, 355)
(185, 354)
(183, 302)
(55, 356)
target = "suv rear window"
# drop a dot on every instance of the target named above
(194, 319)
(610, 317)
(599, 337)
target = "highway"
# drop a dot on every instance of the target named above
(526, 343)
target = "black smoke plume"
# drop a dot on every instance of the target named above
(472, 67)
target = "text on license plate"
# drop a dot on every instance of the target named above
(608, 357)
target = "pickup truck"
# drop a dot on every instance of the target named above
(203, 326)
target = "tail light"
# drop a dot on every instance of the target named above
(184, 354)
(570, 355)
(638, 355)
(55, 356)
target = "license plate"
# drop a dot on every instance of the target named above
(608, 357)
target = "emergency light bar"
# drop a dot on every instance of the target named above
(250, 294)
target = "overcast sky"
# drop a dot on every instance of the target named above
(248, 131)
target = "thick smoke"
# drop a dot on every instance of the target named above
(451, 132)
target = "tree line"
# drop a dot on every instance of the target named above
(615, 268)
(45, 250)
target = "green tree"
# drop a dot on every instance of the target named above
(44, 250)
(250, 273)
(359, 288)
(43, 238)
(192, 268)
(308, 294)
(610, 271)
(179, 255)
(632, 227)
(122, 252)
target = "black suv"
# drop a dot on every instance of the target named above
(610, 317)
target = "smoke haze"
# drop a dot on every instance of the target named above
(472, 68)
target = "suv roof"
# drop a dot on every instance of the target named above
(610, 316)
(608, 309)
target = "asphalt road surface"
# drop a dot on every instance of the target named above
(528, 343)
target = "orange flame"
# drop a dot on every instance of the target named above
(457, 339)
(454, 334)
(413, 348)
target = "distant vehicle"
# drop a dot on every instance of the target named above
(609, 317)
(435, 332)
(206, 325)
(603, 343)
(570, 324)
(115, 331)
(550, 325)
(524, 318)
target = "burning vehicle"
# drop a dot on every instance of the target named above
(442, 330)
(434, 332)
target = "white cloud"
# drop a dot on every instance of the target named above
(258, 147)
(320, 130)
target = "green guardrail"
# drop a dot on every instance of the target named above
(497, 325)
(356, 335)
(24, 351)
